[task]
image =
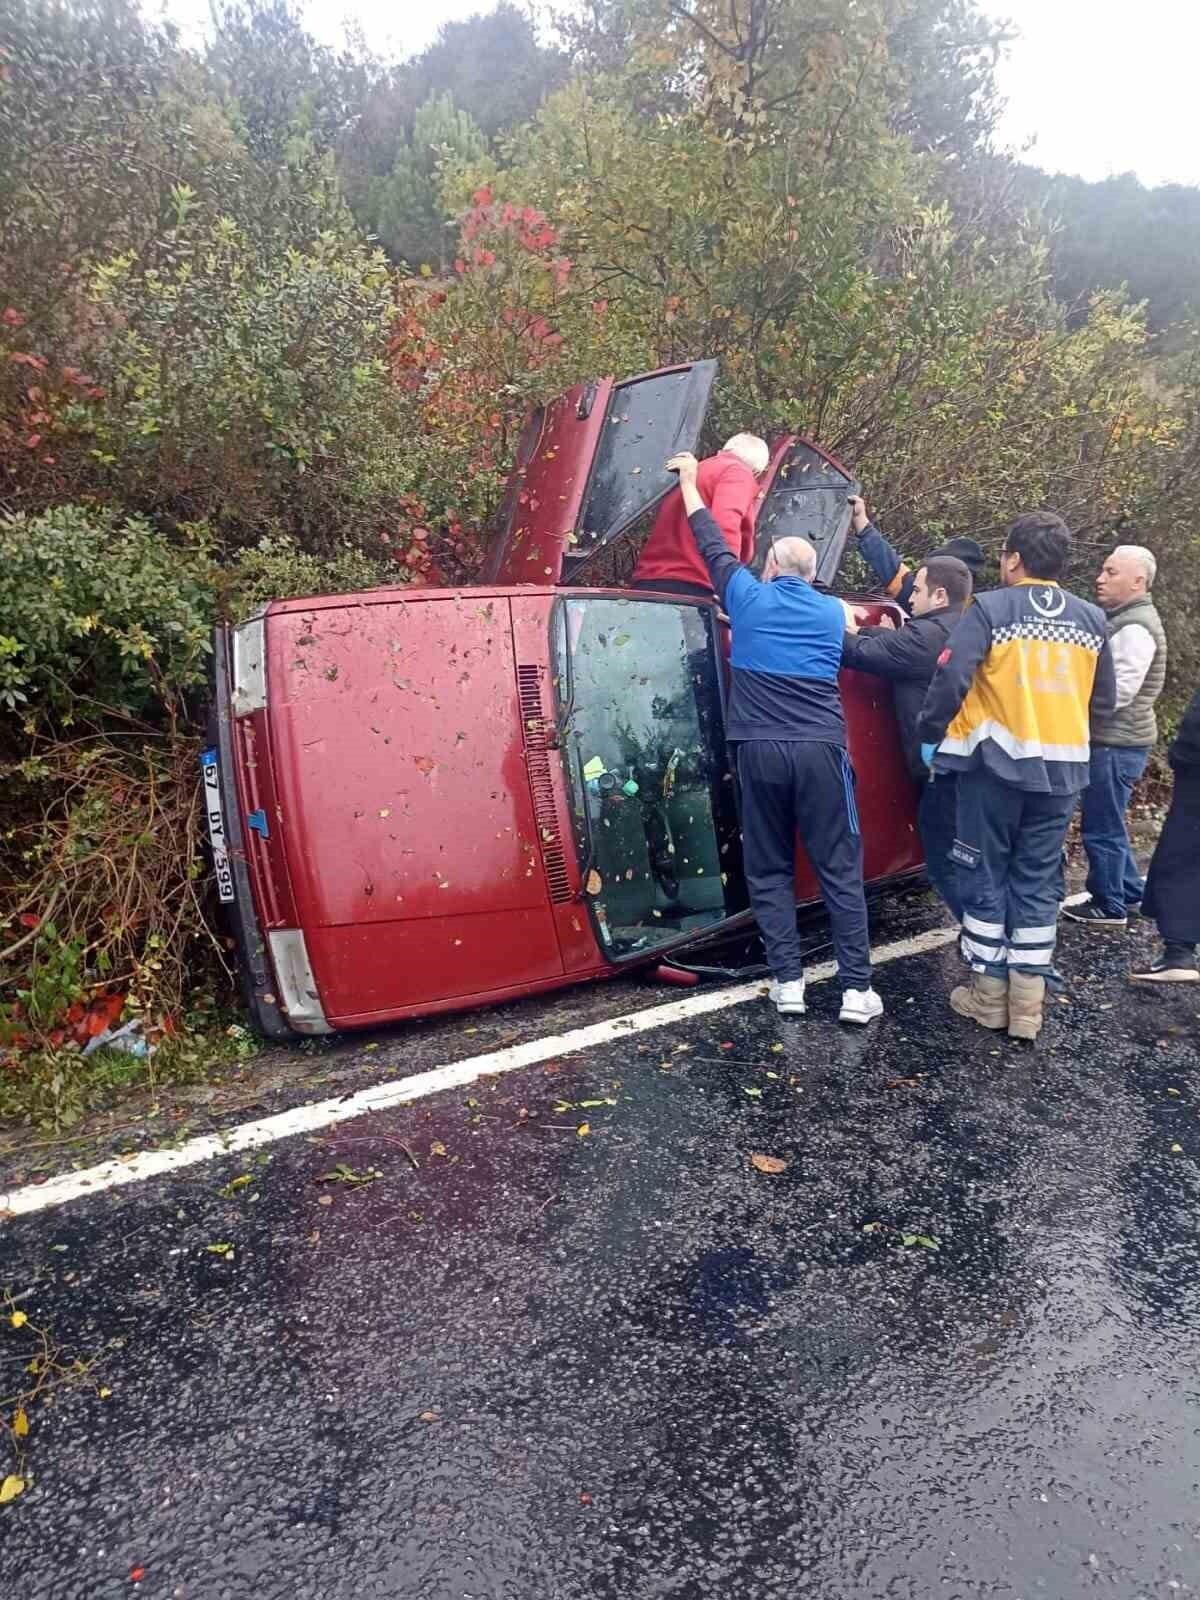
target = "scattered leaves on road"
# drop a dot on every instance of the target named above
(584, 1129)
(755, 1094)
(897, 1236)
(344, 1174)
(11, 1488)
(221, 1248)
(20, 1423)
(437, 1148)
(228, 1191)
(19, 1319)
(762, 1163)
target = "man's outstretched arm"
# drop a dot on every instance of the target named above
(890, 572)
(728, 577)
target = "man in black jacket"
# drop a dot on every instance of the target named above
(908, 658)
(1172, 894)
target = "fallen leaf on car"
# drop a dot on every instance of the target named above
(762, 1163)
(594, 882)
(11, 1488)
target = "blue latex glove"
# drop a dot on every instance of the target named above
(928, 751)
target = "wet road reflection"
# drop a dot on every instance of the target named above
(525, 1362)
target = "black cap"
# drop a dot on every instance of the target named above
(967, 551)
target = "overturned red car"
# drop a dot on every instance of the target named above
(427, 799)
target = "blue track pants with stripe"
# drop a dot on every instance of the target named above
(790, 789)
(1008, 849)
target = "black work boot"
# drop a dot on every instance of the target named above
(1176, 963)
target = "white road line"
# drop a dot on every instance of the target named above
(70, 1186)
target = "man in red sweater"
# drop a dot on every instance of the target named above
(728, 483)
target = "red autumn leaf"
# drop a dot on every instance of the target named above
(12, 318)
(32, 441)
(137, 1574)
(22, 358)
(29, 919)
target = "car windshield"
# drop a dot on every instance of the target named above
(652, 799)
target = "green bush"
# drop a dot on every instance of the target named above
(278, 569)
(101, 612)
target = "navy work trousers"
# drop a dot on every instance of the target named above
(807, 789)
(1114, 881)
(937, 818)
(1008, 849)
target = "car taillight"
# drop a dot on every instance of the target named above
(249, 688)
(298, 996)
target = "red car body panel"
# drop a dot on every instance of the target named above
(408, 806)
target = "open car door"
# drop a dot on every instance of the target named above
(805, 492)
(590, 465)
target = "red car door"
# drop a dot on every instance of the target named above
(590, 465)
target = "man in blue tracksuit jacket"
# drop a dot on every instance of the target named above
(785, 720)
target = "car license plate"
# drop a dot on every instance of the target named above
(216, 825)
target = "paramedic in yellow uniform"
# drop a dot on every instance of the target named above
(1008, 712)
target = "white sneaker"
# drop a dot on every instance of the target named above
(789, 997)
(860, 1005)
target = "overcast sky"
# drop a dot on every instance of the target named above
(1100, 87)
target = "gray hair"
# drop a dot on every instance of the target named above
(795, 557)
(750, 450)
(1144, 558)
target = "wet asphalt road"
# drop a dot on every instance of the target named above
(626, 1364)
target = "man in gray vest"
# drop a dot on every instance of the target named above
(1121, 739)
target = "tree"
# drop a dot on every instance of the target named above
(479, 78)
(403, 209)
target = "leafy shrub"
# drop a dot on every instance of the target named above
(277, 569)
(100, 611)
